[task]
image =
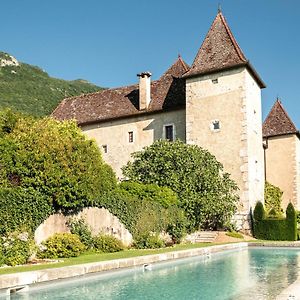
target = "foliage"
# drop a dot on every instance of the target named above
(109, 180)
(107, 243)
(235, 234)
(30, 90)
(8, 120)
(143, 217)
(273, 198)
(149, 241)
(81, 229)
(275, 228)
(259, 212)
(152, 192)
(22, 207)
(16, 248)
(177, 224)
(61, 245)
(291, 219)
(206, 193)
(54, 158)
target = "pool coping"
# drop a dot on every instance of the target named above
(22, 281)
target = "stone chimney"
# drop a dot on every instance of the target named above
(144, 90)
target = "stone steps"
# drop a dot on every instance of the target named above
(202, 237)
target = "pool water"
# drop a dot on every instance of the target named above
(253, 273)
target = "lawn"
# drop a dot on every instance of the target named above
(96, 257)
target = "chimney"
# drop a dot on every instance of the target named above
(144, 90)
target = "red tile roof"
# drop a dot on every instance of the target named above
(167, 93)
(278, 122)
(219, 51)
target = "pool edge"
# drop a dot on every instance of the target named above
(23, 279)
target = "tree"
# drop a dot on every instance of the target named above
(55, 159)
(205, 191)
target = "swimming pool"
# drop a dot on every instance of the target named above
(254, 273)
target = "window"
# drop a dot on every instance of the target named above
(130, 136)
(104, 148)
(169, 132)
(215, 125)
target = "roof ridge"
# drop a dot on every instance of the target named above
(232, 38)
(285, 112)
(183, 63)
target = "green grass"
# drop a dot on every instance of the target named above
(235, 235)
(31, 90)
(96, 257)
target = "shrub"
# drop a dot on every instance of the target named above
(107, 243)
(291, 220)
(142, 217)
(259, 212)
(273, 198)
(151, 192)
(275, 228)
(61, 245)
(17, 247)
(177, 224)
(148, 241)
(54, 158)
(206, 193)
(22, 207)
(81, 229)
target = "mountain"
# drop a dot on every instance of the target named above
(31, 90)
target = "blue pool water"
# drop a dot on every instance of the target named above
(254, 273)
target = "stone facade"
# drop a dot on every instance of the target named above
(223, 115)
(282, 155)
(146, 129)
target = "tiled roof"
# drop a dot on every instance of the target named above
(167, 93)
(219, 51)
(278, 122)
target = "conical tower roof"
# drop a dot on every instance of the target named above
(220, 51)
(278, 122)
(177, 69)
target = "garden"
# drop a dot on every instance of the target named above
(48, 167)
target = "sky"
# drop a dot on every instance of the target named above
(109, 42)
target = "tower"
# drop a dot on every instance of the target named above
(223, 113)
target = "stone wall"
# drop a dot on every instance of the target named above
(98, 219)
(146, 129)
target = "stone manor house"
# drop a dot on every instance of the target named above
(214, 103)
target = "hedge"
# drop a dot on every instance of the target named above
(276, 229)
(22, 208)
(144, 216)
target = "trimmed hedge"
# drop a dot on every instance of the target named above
(22, 207)
(276, 229)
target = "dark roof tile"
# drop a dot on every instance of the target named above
(278, 122)
(167, 93)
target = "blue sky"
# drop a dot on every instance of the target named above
(109, 42)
